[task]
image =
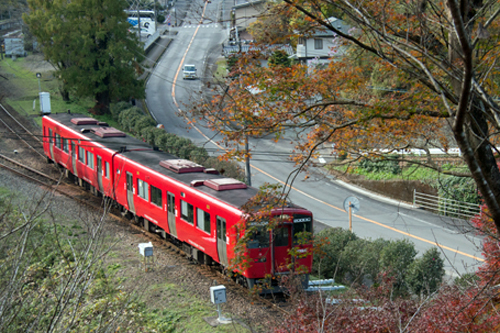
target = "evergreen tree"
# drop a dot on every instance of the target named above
(89, 44)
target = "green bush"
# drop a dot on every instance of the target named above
(395, 258)
(460, 189)
(142, 123)
(389, 164)
(328, 263)
(361, 260)
(466, 280)
(128, 117)
(227, 168)
(425, 274)
(117, 108)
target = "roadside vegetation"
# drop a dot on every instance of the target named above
(386, 168)
(355, 262)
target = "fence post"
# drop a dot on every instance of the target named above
(414, 197)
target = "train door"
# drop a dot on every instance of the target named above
(73, 158)
(171, 214)
(51, 144)
(99, 173)
(221, 241)
(281, 244)
(130, 192)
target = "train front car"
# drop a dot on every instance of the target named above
(279, 246)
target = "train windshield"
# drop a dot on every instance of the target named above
(302, 228)
(259, 238)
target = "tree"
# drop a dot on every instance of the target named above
(425, 274)
(279, 58)
(273, 26)
(328, 261)
(88, 43)
(441, 61)
(395, 258)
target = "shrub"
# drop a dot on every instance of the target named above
(327, 263)
(227, 168)
(143, 123)
(361, 260)
(425, 274)
(395, 258)
(389, 164)
(117, 108)
(460, 189)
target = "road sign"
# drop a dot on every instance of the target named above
(354, 204)
(351, 206)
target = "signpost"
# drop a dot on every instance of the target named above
(351, 206)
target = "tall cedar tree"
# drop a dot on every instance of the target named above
(408, 74)
(89, 44)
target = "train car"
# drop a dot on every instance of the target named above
(196, 207)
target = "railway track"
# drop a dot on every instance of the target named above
(17, 131)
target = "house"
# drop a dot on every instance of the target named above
(14, 44)
(321, 45)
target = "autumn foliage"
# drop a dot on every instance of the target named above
(472, 307)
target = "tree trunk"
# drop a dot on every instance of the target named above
(64, 94)
(102, 103)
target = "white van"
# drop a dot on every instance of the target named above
(189, 72)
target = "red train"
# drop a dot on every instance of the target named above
(195, 206)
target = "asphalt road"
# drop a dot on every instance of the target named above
(168, 94)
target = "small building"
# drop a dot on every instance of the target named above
(14, 44)
(321, 45)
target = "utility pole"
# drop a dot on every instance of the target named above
(247, 163)
(139, 23)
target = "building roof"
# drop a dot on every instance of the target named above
(324, 32)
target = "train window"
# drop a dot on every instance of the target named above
(106, 169)
(171, 203)
(259, 238)
(58, 141)
(50, 136)
(187, 212)
(203, 220)
(156, 196)
(280, 236)
(142, 189)
(90, 160)
(73, 152)
(65, 145)
(302, 227)
(81, 154)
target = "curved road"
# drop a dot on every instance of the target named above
(167, 94)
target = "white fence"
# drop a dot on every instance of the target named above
(443, 206)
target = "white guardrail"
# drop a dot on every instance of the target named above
(447, 207)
